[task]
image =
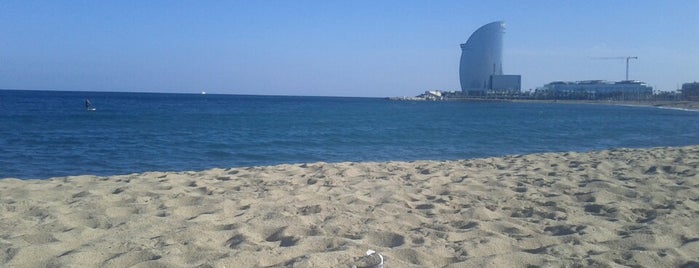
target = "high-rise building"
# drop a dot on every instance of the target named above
(481, 58)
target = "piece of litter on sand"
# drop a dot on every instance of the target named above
(372, 259)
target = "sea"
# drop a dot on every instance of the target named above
(47, 134)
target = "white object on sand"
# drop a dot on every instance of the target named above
(371, 260)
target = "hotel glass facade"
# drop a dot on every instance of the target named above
(481, 58)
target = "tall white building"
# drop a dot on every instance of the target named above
(480, 68)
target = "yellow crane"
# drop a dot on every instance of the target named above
(620, 58)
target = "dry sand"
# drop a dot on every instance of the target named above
(615, 208)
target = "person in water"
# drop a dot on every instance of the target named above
(88, 105)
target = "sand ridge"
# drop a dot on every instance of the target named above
(615, 208)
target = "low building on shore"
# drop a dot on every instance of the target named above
(429, 95)
(690, 91)
(595, 90)
(433, 95)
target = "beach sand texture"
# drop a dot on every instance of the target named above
(616, 208)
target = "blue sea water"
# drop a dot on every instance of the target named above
(49, 133)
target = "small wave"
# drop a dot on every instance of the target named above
(677, 109)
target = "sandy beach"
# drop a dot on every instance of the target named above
(616, 208)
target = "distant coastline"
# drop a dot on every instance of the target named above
(669, 104)
(680, 105)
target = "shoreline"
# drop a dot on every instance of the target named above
(634, 207)
(686, 105)
(680, 105)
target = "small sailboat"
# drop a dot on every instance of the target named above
(88, 105)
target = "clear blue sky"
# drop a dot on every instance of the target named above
(334, 48)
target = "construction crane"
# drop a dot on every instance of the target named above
(620, 58)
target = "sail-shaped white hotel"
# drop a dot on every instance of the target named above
(480, 69)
